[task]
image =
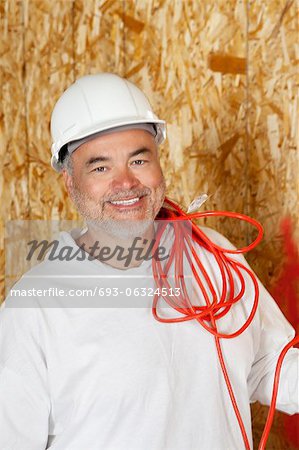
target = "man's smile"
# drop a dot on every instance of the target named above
(128, 203)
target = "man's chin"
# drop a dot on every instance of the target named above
(124, 228)
(135, 214)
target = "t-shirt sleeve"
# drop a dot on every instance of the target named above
(275, 333)
(24, 400)
(271, 332)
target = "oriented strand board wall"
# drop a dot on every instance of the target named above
(222, 73)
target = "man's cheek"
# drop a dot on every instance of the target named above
(153, 181)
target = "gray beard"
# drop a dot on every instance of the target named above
(121, 229)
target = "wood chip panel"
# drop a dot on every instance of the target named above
(223, 74)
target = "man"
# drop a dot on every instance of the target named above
(101, 373)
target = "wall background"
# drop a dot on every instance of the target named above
(222, 74)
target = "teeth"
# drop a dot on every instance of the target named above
(126, 202)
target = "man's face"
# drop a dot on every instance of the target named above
(117, 177)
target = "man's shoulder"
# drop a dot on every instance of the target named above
(46, 270)
(56, 257)
(38, 271)
(217, 238)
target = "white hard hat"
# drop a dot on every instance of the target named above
(96, 103)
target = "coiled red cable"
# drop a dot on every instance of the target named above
(215, 306)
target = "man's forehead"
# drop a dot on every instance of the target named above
(129, 143)
(139, 152)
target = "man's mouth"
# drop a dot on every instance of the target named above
(127, 202)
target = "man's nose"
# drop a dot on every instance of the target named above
(125, 179)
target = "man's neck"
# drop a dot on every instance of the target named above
(119, 252)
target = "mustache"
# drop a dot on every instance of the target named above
(125, 194)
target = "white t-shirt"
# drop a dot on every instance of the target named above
(100, 373)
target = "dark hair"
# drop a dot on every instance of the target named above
(62, 153)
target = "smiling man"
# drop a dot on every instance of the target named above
(84, 365)
(113, 173)
(117, 185)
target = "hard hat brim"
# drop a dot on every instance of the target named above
(161, 135)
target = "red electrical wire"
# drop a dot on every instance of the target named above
(271, 412)
(215, 306)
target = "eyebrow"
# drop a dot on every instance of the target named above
(96, 159)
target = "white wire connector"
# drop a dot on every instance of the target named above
(197, 202)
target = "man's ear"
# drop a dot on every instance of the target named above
(68, 181)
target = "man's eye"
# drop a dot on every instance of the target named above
(139, 162)
(100, 169)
